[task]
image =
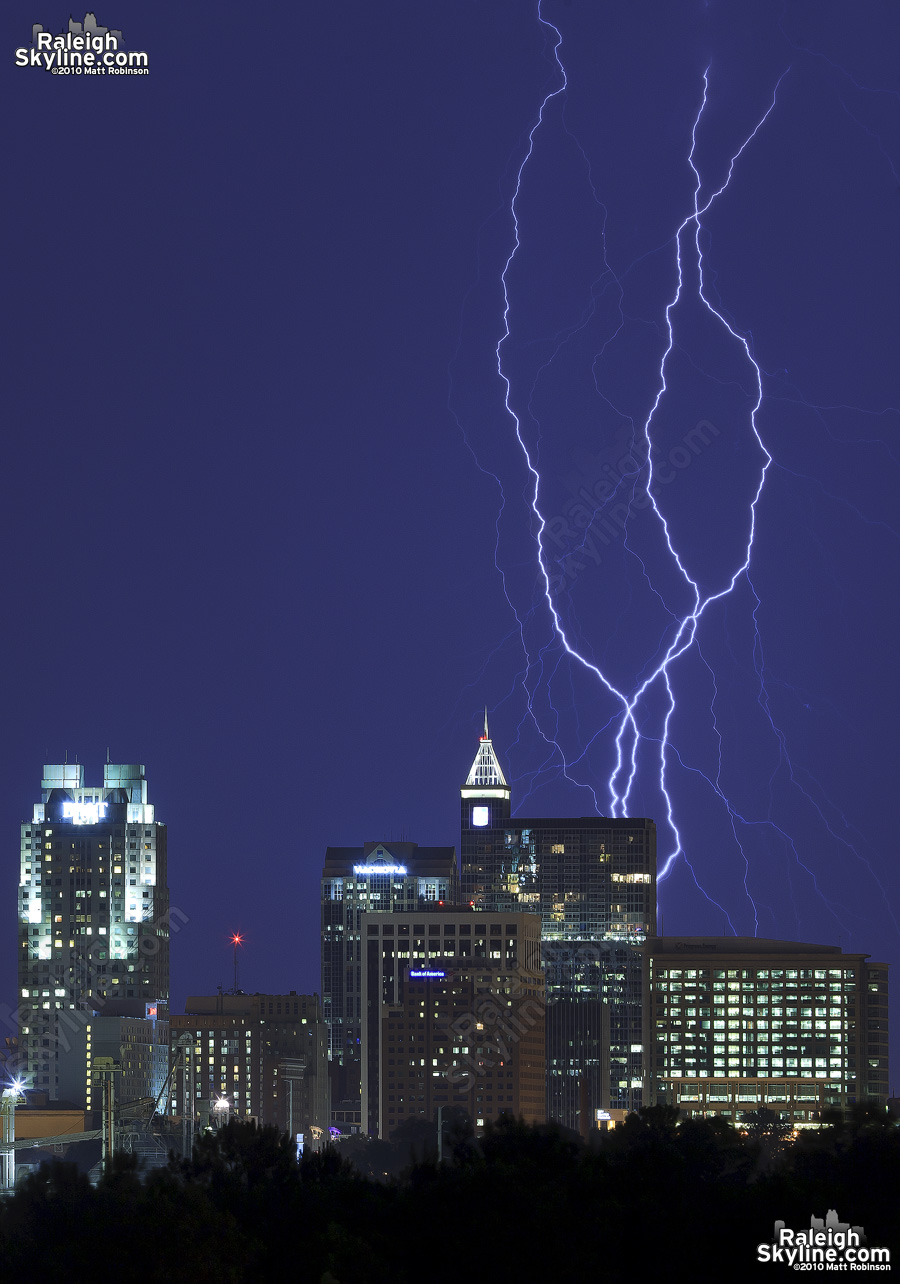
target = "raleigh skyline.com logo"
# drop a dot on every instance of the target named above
(84, 49)
(828, 1245)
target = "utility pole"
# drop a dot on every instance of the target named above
(187, 1095)
(105, 1068)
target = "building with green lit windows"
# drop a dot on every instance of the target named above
(93, 934)
(734, 1024)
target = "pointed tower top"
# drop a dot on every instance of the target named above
(486, 772)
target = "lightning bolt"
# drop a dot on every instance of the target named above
(628, 736)
(641, 729)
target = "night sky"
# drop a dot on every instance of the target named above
(267, 520)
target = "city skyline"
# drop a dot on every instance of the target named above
(584, 881)
(252, 506)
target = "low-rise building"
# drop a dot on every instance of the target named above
(265, 1055)
(735, 1024)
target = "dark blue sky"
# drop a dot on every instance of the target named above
(249, 505)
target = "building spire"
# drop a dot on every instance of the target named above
(486, 772)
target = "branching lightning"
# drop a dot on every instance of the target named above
(682, 670)
(686, 629)
(627, 726)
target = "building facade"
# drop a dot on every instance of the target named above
(455, 1012)
(592, 881)
(136, 1047)
(263, 1056)
(377, 878)
(734, 1024)
(93, 924)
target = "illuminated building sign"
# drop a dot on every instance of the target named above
(427, 975)
(479, 816)
(365, 870)
(84, 813)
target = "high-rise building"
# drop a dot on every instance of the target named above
(265, 1055)
(376, 878)
(593, 882)
(93, 928)
(734, 1024)
(455, 1012)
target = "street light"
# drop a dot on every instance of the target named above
(222, 1108)
(9, 1099)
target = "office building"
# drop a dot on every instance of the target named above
(260, 1056)
(93, 929)
(455, 1008)
(592, 881)
(734, 1024)
(377, 878)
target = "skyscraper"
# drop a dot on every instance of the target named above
(593, 882)
(455, 1012)
(93, 925)
(376, 878)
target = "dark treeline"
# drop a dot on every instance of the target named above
(690, 1200)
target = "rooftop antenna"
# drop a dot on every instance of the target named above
(236, 940)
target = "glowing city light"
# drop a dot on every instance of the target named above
(84, 813)
(368, 871)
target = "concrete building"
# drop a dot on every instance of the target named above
(265, 1055)
(376, 878)
(93, 929)
(455, 1011)
(738, 1023)
(592, 881)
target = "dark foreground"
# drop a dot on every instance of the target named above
(689, 1201)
